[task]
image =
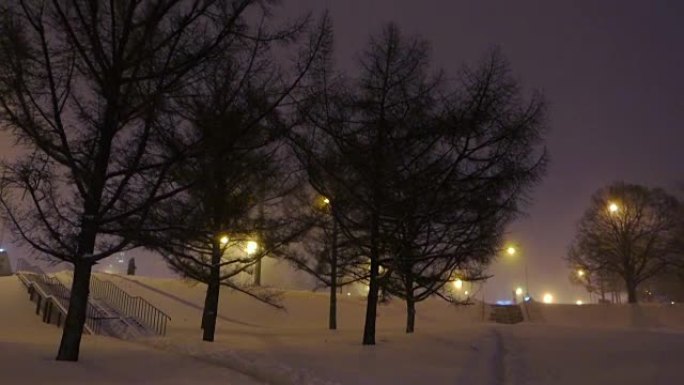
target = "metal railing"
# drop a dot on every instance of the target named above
(53, 290)
(134, 307)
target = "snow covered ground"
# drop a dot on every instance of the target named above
(255, 343)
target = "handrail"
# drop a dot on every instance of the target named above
(53, 287)
(134, 307)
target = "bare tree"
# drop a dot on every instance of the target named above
(422, 180)
(628, 231)
(236, 209)
(85, 89)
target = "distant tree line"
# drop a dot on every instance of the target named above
(176, 126)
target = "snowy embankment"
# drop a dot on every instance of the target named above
(255, 343)
(28, 348)
(295, 347)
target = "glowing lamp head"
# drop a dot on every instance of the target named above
(547, 298)
(326, 200)
(613, 208)
(518, 291)
(458, 284)
(251, 247)
(580, 273)
(579, 302)
(511, 250)
(224, 240)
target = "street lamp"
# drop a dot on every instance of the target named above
(548, 298)
(224, 240)
(251, 247)
(512, 250)
(613, 207)
(580, 273)
(458, 284)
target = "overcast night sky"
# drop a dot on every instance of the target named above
(611, 70)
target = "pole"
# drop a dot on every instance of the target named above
(527, 282)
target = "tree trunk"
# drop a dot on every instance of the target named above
(212, 297)
(76, 316)
(410, 304)
(332, 320)
(410, 314)
(631, 292)
(373, 287)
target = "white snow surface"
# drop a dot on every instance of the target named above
(255, 343)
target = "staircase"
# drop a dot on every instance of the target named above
(111, 311)
(506, 314)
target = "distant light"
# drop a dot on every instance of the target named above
(613, 208)
(580, 273)
(548, 298)
(326, 201)
(511, 250)
(224, 240)
(251, 247)
(518, 291)
(458, 284)
(579, 302)
(466, 292)
(527, 298)
(672, 302)
(348, 294)
(2, 250)
(504, 302)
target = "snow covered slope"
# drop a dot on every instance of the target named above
(259, 344)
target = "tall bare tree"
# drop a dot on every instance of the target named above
(423, 179)
(86, 88)
(628, 231)
(235, 210)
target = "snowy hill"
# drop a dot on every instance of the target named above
(560, 344)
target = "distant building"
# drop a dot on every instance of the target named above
(5, 267)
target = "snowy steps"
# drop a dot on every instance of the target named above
(506, 314)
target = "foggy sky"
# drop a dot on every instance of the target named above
(612, 71)
(613, 74)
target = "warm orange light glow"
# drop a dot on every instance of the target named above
(580, 273)
(511, 250)
(458, 284)
(613, 207)
(548, 298)
(518, 291)
(224, 240)
(251, 247)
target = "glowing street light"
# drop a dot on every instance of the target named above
(548, 298)
(580, 273)
(224, 240)
(519, 291)
(511, 250)
(613, 208)
(326, 200)
(458, 284)
(251, 247)
(579, 302)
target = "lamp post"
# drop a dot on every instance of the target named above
(512, 251)
(332, 319)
